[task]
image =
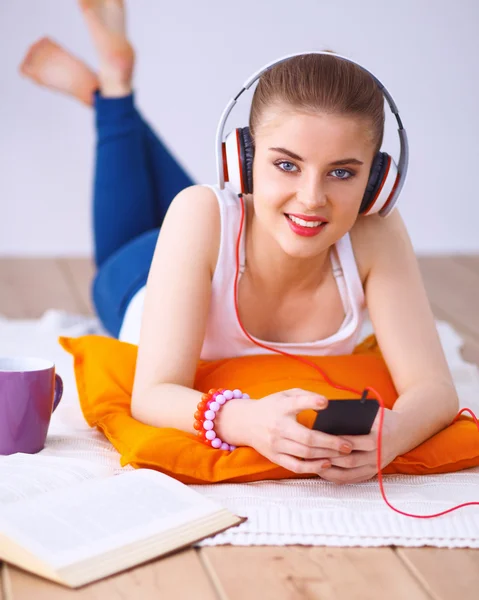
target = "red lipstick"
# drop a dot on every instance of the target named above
(306, 218)
(305, 231)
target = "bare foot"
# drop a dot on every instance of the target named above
(106, 21)
(50, 65)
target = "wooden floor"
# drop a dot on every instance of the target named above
(29, 287)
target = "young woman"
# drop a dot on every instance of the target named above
(310, 262)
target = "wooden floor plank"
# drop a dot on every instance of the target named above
(294, 572)
(454, 289)
(452, 284)
(179, 576)
(29, 287)
(470, 350)
(447, 574)
(79, 272)
(470, 261)
(443, 273)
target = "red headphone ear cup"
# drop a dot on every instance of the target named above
(383, 179)
(238, 151)
(376, 175)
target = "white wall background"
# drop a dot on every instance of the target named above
(192, 56)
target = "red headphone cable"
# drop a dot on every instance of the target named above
(342, 387)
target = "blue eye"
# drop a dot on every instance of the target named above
(288, 164)
(343, 171)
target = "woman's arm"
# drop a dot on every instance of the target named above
(172, 332)
(174, 318)
(406, 332)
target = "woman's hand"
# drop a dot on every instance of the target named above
(276, 434)
(361, 464)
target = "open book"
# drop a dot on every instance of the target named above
(74, 522)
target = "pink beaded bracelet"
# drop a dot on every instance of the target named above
(208, 408)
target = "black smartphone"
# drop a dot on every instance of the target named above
(347, 417)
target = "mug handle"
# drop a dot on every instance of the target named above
(58, 391)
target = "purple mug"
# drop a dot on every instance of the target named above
(30, 391)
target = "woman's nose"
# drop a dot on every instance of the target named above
(313, 195)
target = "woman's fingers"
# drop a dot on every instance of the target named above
(355, 460)
(297, 400)
(294, 448)
(366, 443)
(315, 439)
(356, 475)
(297, 465)
(325, 469)
(292, 392)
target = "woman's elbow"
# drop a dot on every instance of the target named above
(135, 410)
(138, 406)
(453, 404)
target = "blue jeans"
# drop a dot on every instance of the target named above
(136, 178)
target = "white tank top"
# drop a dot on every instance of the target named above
(224, 337)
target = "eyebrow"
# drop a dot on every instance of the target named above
(344, 161)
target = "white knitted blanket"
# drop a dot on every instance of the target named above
(310, 512)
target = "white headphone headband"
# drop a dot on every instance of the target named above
(404, 148)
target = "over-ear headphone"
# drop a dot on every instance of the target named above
(234, 155)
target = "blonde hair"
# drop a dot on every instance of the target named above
(321, 83)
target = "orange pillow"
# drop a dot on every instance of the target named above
(104, 370)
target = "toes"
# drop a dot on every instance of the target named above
(87, 4)
(35, 49)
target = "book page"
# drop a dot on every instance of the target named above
(70, 525)
(27, 475)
